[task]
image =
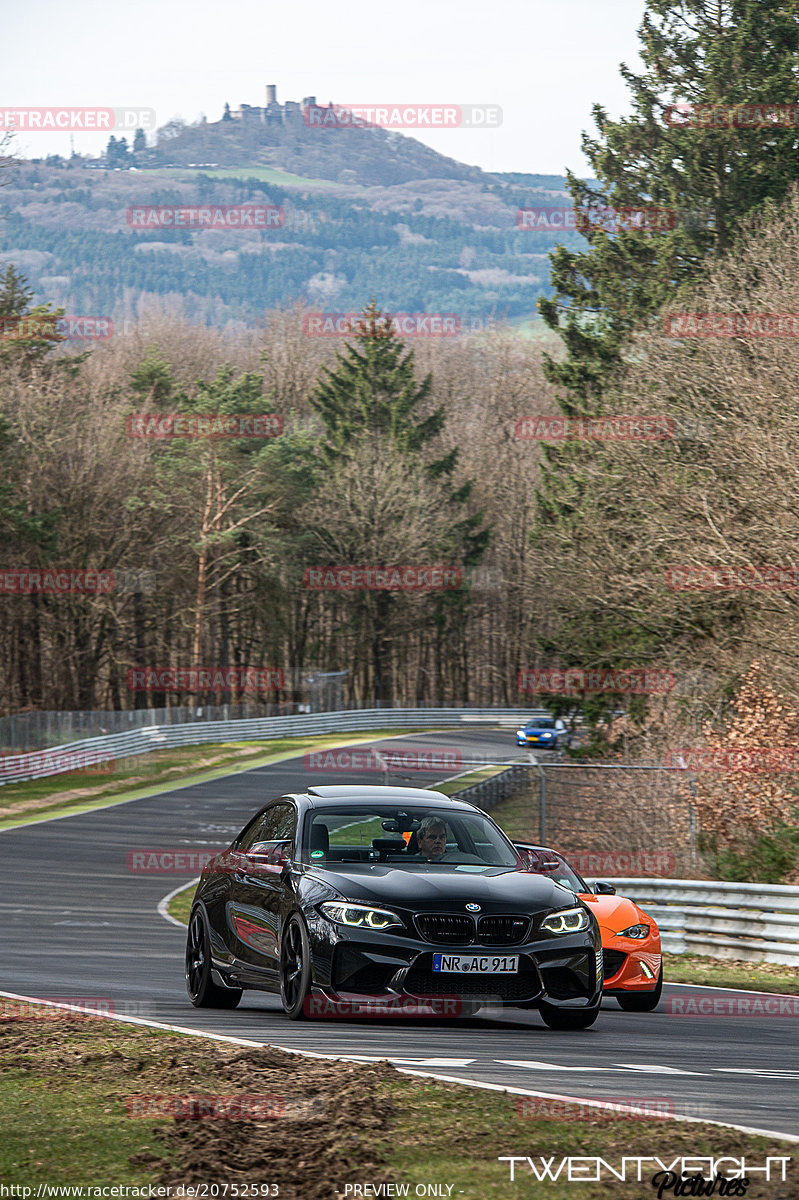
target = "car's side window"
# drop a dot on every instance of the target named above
(251, 834)
(280, 823)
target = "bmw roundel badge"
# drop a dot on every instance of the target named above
(472, 907)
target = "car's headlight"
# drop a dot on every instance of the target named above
(566, 920)
(635, 931)
(360, 916)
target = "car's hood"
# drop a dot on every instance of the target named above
(496, 889)
(615, 913)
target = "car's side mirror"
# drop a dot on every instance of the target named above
(604, 889)
(269, 854)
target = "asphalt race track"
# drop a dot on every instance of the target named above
(79, 924)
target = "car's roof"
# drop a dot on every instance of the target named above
(336, 793)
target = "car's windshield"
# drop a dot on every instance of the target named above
(547, 862)
(542, 723)
(415, 837)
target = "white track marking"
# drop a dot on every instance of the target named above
(163, 905)
(648, 1068)
(657, 1069)
(409, 1062)
(533, 1065)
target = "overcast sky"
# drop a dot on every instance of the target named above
(544, 63)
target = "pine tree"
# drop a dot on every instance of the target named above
(698, 52)
(372, 397)
(373, 390)
(26, 334)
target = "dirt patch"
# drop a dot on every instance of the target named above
(320, 1120)
(330, 1125)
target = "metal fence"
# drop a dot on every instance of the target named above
(110, 747)
(26, 732)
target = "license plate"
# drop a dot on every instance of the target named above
(477, 964)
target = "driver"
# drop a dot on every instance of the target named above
(431, 838)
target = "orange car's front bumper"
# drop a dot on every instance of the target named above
(639, 970)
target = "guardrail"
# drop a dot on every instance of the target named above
(97, 750)
(758, 922)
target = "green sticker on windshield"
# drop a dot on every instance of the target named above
(317, 854)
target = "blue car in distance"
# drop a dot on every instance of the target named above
(547, 732)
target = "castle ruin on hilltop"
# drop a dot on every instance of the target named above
(273, 112)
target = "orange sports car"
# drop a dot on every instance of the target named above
(630, 937)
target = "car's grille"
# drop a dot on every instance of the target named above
(454, 929)
(422, 980)
(614, 961)
(502, 931)
(445, 927)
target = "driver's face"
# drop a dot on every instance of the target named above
(433, 843)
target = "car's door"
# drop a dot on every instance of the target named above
(257, 889)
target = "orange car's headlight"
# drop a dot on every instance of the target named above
(635, 931)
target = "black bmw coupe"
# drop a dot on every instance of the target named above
(388, 897)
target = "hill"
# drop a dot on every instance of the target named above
(365, 213)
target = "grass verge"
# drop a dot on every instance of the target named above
(179, 906)
(132, 778)
(73, 1091)
(731, 973)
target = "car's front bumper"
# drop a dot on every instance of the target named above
(631, 966)
(561, 971)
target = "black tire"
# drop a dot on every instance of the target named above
(568, 1018)
(203, 992)
(643, 1001)
(295, 968)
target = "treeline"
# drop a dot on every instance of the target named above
(388, 456)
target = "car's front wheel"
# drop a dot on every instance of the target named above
(295, 967)
(568, 1018)
(643, 1001)
(203, 992)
